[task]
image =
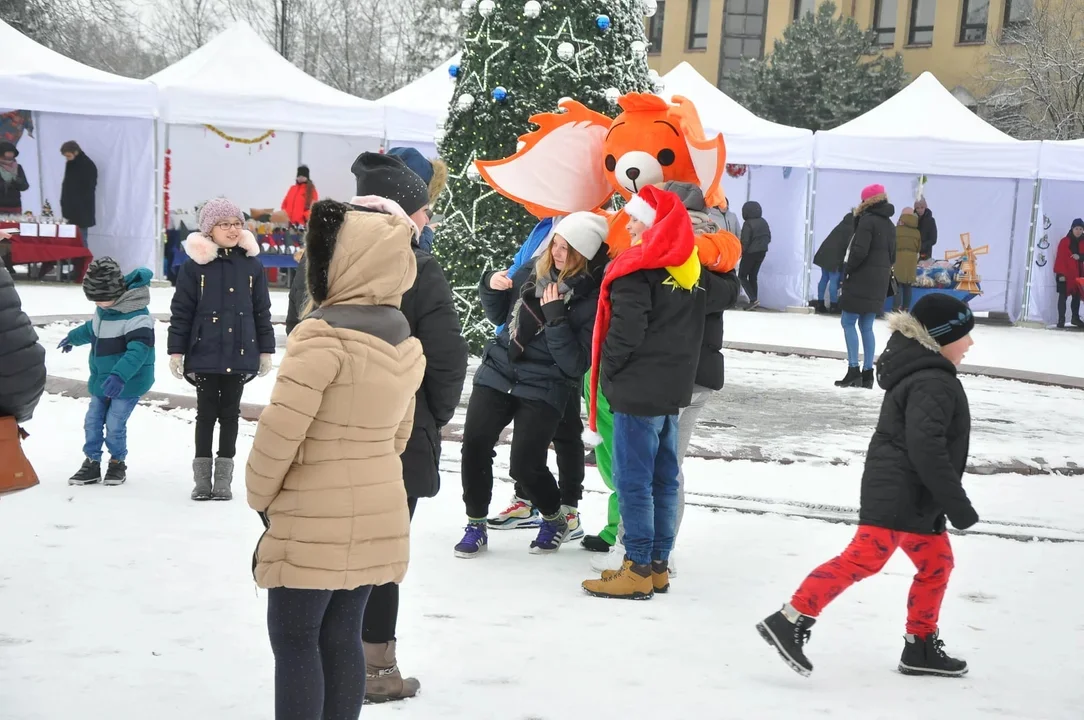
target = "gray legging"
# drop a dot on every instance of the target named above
(687, 419)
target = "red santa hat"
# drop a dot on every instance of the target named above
(667, 243)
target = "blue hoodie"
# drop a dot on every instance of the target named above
(528, 249)
(122, 339)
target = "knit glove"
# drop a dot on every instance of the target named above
(176, 366)
(65, 345)
(265, 363)
(112, 386)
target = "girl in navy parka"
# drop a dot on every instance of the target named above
(220, 335)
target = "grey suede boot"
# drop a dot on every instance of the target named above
(223, 479)
(383, 681)
(201, 472)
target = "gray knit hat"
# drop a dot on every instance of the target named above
(104, 280)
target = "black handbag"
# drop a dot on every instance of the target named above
(893, 285)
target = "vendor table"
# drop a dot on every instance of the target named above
(27, 249)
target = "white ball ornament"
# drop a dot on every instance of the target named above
(612, 95)
(472, 173)
(486, 8)
(532, 9)
(639, 48)
(566, 51)
(467, 6)
(465, 102)
(650, 7)
(653, 75)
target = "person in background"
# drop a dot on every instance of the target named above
(829, 258)
(77, 193)
(220, 335)
(913, 478)
(12, 181)
(22, 358)
(927, 226)
(908, 248)
(867, 274)
(755, 238)
(121, 336)
(429, 309)
(434, 173)
(324, 472)
(726, 219)
(1068, 271)
(299, 199)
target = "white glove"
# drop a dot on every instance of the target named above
(265, 364)
(176, 366)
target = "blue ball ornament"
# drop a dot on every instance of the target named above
(603, 22)
(500, 94)
(453, 71)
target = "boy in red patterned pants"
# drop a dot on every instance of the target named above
(911, 481)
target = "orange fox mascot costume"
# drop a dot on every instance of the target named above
(577, 159)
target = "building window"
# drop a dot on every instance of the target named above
(803, 7)
(973, 21)
(699, 11)
(654, 29)
(1017, 12)
(884, 21)
(922, 14)
(743, 34)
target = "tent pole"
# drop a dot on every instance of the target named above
(1012, 242)
(1035, 197)
(299, 137)
(159, 229)
(810, 198)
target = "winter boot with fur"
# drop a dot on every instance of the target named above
(201, 473)
(867, 379)
(927, 656)
(853, 378)
(383, 681)
(788, 632)
(223, 479)
(89, 472)
(631, 582)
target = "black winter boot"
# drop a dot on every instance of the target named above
(867, 379)
(115, 473)
(1078, 322)
(853, 378)
(90, 472)
(594, 543)
(788, 632)
(928, 657)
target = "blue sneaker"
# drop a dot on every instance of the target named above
(551, 535)
(475, 540)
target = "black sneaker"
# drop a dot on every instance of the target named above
(90, 472)
(788, 632)
(594, 543)
(853, 378)
(115, 473)
(928, 657)
(589, 460)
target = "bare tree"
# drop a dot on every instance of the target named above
(181, 26)
(1035, 80)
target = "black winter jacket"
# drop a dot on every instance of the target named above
(22, 358)
(870, 259)
(552, 364)
(755, 233)
(916, 459)
(11, 194)
(927, 227)
(220, 317)
(726, 288)
(830, 254)
(77, 193)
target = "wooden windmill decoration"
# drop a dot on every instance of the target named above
(967, 278)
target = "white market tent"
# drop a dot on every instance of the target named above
(219, 100)
(970, 173)
(112, 119)
(415, 111)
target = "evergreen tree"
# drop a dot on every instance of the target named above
(518, 59)
(824, 71)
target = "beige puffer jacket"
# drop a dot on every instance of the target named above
(325, 460)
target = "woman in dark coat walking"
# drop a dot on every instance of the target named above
(755, 238)
(22, 358)
(829, 258)
(867, 274)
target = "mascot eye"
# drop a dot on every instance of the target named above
(611, 163)
(665, 157)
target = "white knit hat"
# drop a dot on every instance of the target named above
(584, 232)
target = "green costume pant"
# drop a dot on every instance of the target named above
(604, 458)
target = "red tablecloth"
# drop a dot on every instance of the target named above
(26, 250)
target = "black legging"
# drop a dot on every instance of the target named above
(748, 272)
(319, 661)
(382, 611)
(1063, 296)
(568, 445)
(218, 399)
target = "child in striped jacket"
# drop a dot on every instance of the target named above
(121, 337)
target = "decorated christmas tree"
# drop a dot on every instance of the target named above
(521, 58)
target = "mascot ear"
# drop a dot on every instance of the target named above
(558, 168)
(708, 154)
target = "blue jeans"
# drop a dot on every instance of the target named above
(645, 474)
(850, 334)
(829, 281)
(107, 422)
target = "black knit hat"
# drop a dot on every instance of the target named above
(388, 177)
(104, 280)
(944, 317)
(303, 171)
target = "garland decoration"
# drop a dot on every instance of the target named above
(166, 179)
(258, 140)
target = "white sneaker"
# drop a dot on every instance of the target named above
(612, 560)
(671, 565)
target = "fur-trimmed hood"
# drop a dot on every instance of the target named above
(910, 349)
(870, 202)
(907, 325)
(439, 181)
(203, 249)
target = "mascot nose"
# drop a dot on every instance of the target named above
(633, 173)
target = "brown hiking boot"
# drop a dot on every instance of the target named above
(383, 681)
(660, 576)
(631, 582)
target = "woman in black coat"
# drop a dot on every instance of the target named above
(22, 358)
(829, 258)
(867, 273)
(529, 373)
(12, 181)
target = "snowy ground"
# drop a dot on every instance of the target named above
(133, 602)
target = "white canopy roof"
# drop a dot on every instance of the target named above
(924, 129)
(33, 77)
(415, 110)
(237, 80)
(749, 139)
(1062, 160)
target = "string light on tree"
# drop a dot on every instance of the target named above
(532, 9)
